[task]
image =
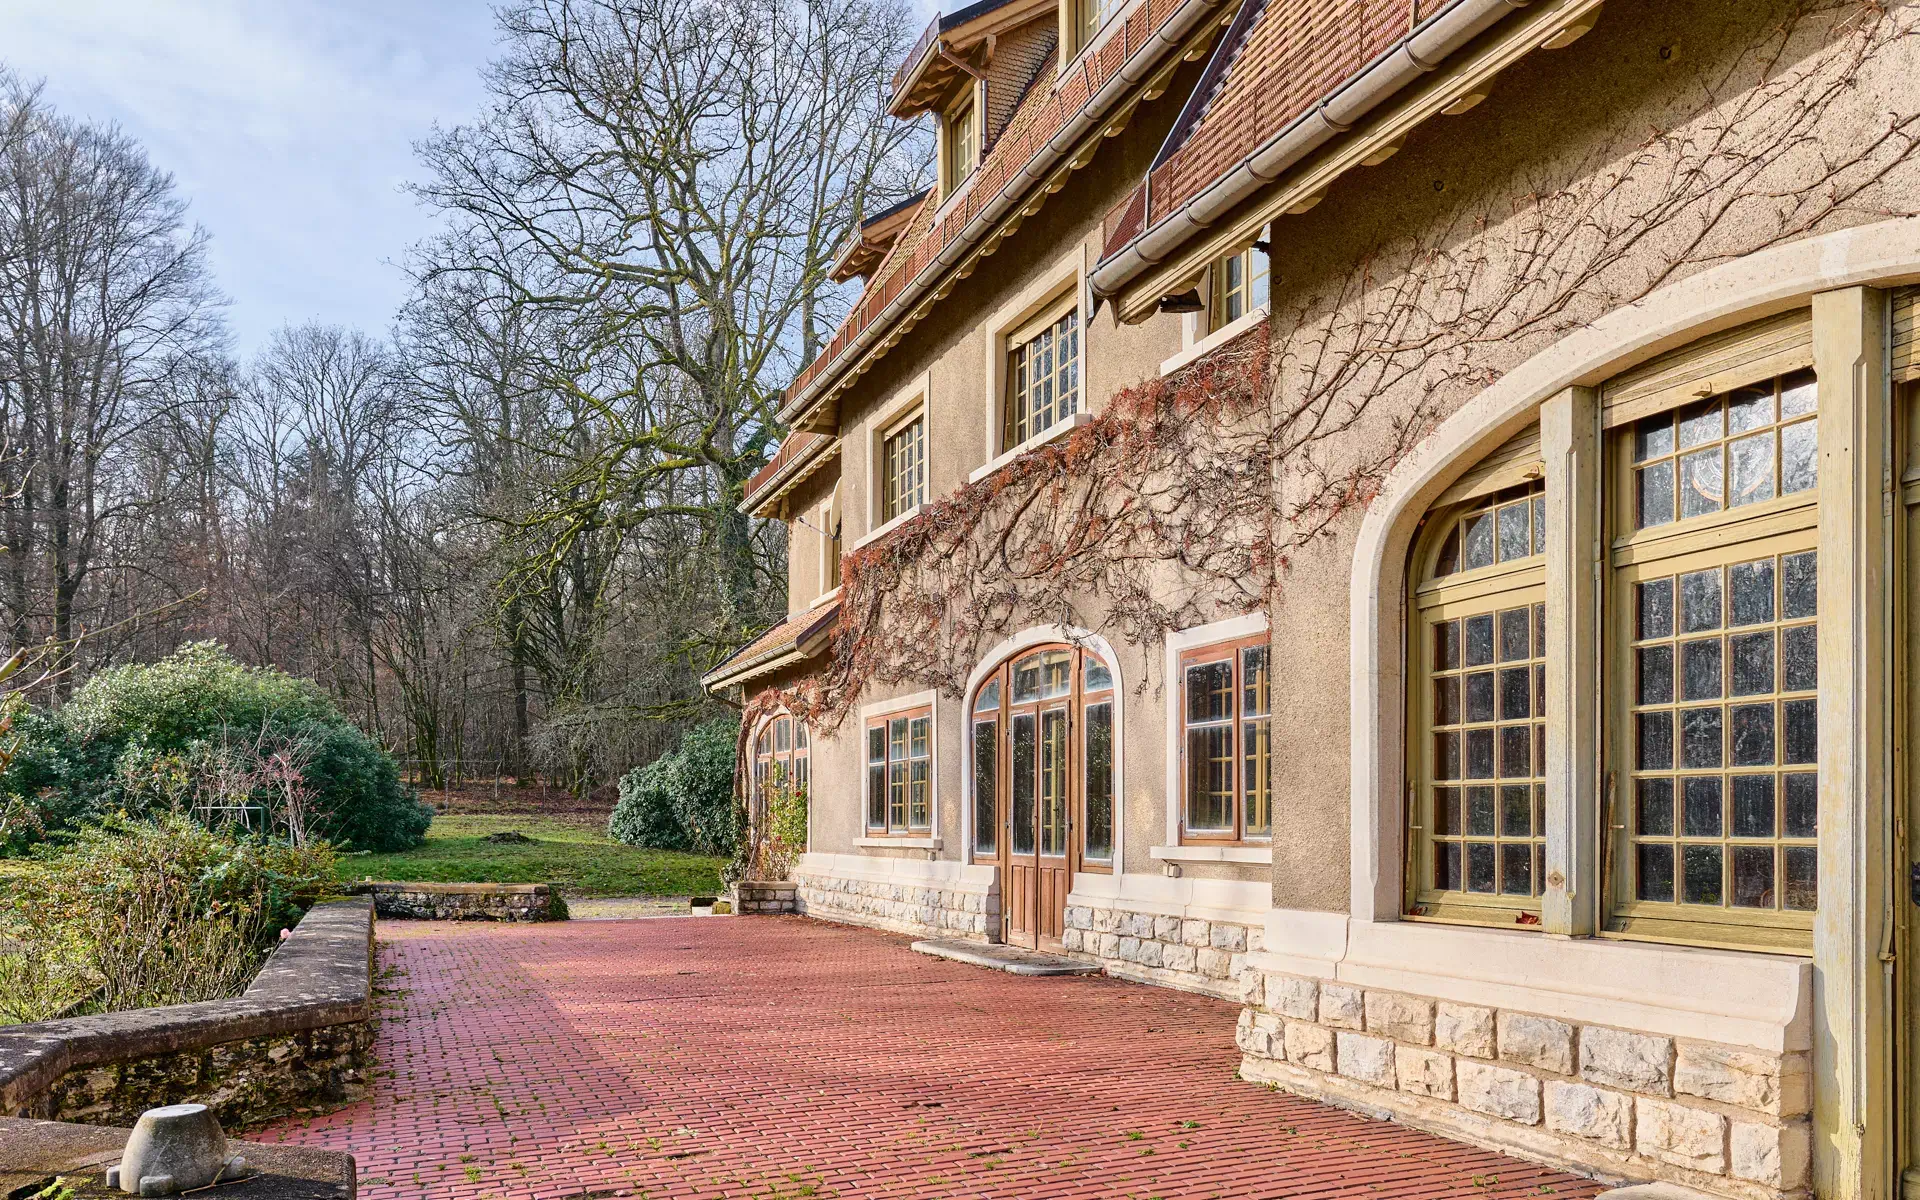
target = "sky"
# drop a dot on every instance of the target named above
(288, 125)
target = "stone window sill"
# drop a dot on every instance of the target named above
(1213, 341)
(1212, 854)
(1058, 430)
(897, 843)
(887, 528)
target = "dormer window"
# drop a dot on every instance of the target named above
(1240, 285)
(962, 144)
(1088, 17)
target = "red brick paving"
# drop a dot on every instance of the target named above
(782, 1057)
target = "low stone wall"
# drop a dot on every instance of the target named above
(465, 901)
(301, 1036)
(1620, 1104)
(1192, 955)
(759, 896)
(900, 895)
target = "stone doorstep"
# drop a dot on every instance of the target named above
(1014, 960)
(34, 1153)
(1654, 1191)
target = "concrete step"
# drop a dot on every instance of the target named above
(1014, 960)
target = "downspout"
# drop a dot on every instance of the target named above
(1421, 51)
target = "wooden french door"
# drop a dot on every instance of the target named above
(1031, 786)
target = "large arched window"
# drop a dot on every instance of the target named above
(1477, 821)
(781, 752)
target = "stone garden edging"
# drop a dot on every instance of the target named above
(412, 901)
(300, 1035)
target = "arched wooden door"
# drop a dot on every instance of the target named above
(1043, 784)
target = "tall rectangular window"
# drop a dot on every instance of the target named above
(903, 463)
(1089, 17)
(900, 774)
(1099, 766)
(1043, 377)
(962, 143)
(1715, 715)
(1226, 742)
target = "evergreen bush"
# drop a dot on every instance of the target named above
(682, 800)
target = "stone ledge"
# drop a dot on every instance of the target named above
(321, 976)
(411, 900)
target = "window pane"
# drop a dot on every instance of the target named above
(1700, 669)
(1752, 586)
(1656, 872)
(989, 699)
(1654, 489)
(1655, 807)
(919, 795)
(1053, 781)
(1655, 608)
(1802, 878)
(1751, 460)
(897, 795)
(1479, 640)
(1799, 458)
(1753, 877)
(1209, 691)
(1800, 583)
(1210, 778)
(1516, 869)
(1701, 811)
(1700, 601)
(1753, 806)
(1752, 663)
(1477, 541)
(1701, 877)
(1750, 408)
(986, 788)
(1256, 777)
(1099, 819)
(1655, 673)
(1254, 699)
(1514, 534)
(1480, 867)
(1098, 678)
(1480, 696)
(1802, 792)
(1021, 839)
(1480, 812)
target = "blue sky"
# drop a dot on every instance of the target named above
(287, 124)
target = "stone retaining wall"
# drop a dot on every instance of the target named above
(1621, 1104)
(465, 901)
(1171, 951)
(300, 1036)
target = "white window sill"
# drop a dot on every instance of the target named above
(1058, 430)
(824, 597)
(897, 843)
(1202, 853)
(876, 534)
(1213, 341)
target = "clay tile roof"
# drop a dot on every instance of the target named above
(800, 636)
(1288, 57)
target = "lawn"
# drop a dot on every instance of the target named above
(568, 852)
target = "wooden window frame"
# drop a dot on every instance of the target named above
(1253, 290)
(959, 158)
(795, 760)
(899, 495)
(898, 752)
(1089, 17)
(1231, 651)
(1445, 590)
(1779, 527)
(1019, 418)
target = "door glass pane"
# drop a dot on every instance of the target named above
(1042, 676)
(1053, 781)
(986, 788)
(1099, 819)
(1020, 839)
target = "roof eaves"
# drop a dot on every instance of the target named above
(1187, 19)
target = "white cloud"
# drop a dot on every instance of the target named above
(288, 125)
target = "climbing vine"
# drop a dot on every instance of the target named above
(1188, 499)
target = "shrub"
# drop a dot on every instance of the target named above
(134, 914)
(199, 729)
(682, 800)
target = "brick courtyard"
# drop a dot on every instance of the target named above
(781, 1057)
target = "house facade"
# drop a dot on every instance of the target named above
(1398, 514)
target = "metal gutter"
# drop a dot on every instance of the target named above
(1172, 33)
(1424, 50)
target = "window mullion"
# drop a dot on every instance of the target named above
(1571, 445)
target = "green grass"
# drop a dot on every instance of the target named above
(580, 860)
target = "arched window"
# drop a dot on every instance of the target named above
(781, 752)
(1042, 736)
(1477, 817)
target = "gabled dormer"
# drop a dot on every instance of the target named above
(868, 245)
(970, 69)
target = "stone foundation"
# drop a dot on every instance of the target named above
(902, 895)
(1171, 951)
(465, 901)
(764, 897)
(300, 1037)
(1614, 1103)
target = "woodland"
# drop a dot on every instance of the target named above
(501, 534)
